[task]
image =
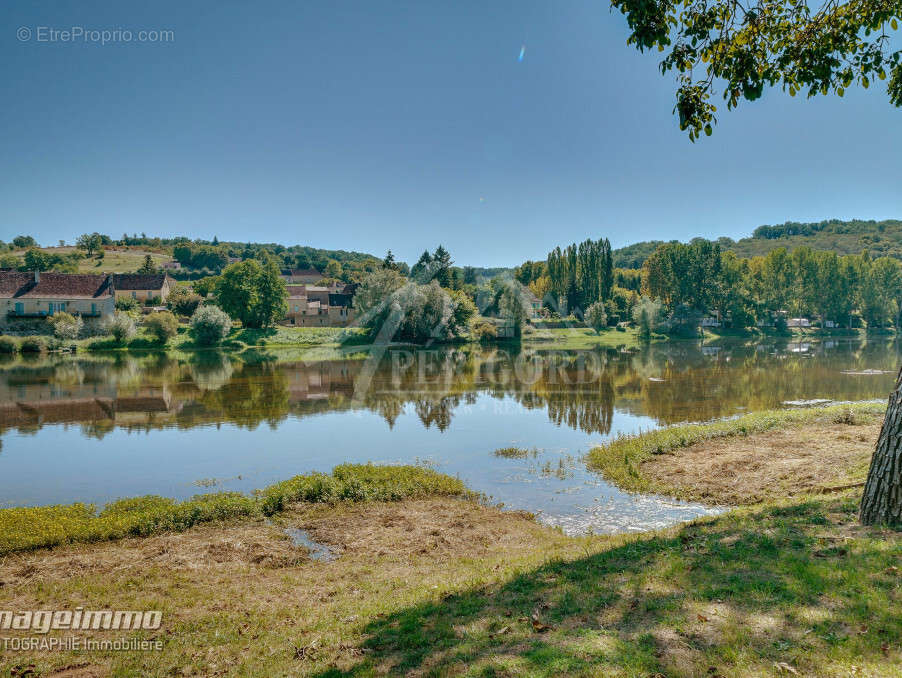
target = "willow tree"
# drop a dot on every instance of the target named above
(737, 49)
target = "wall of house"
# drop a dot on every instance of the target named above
(29, 306)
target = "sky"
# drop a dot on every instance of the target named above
(498, 129)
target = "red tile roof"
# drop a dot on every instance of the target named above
(139, 281)
(18, 285)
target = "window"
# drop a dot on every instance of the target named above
(20, 308)
(93, 309)
(134, 295)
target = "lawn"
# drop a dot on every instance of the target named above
(581, 338)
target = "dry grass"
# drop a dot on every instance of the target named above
(240, 595)
(767, 466)
(448, 587)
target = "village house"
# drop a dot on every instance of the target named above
(301, 276)
(312, 306)
(143, 287)
(171, 265)
(37, 295)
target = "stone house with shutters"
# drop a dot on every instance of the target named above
(312, 306)
(143, 287)
(28, 295)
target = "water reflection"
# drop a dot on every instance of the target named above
(669, 383)
(158, 423)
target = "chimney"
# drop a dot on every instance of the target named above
(37, 276)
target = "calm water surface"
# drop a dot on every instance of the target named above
(98, 428)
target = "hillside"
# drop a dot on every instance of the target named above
(880, 238)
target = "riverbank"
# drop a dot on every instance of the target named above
(444, 586)
(764, 456)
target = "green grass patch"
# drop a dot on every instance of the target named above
(42, 526)
(621, 459)
(360, 482)
(582, 338)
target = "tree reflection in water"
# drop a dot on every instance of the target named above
(669, 382)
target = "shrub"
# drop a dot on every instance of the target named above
(122, 327)
(210, 325)
(648, 314)
(161, 326)
(66, 326)
(596, 318)
(33, 345)
(360, 482)
(126, 304)
(484, 330)
(183, 301)
(8, 345)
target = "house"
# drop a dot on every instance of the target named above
(37, 295)
(143, 287)
(535, 304)
(301, 276)
(171, 266)
(798, 322)
(312, 306)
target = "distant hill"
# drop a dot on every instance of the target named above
(880, 238)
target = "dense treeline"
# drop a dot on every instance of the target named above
(880, 238)
(572, 278)
(701, 278)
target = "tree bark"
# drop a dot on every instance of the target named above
(881, 502)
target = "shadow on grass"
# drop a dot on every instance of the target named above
(801, 585)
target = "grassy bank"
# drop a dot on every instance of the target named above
(581, 338)
(440, 587)
(628, 461)
(45, 526)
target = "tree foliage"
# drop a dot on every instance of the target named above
(162, 326)
(210, 325)
(252, 293)
(743, 48)
(66, 326)
(394, 308)
(596, 317)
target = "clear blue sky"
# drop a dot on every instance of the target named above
(367, 125)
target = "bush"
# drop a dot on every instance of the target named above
(183, 301)
(360, 482)
(161, 326)
(648, 314)
(126, 304)
(484, 330)
(33, 345)
(596, 318)
(210, 325)
(66, 326)
(8, 345)
(122, 327)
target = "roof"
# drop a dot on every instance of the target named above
(304, 271)
(139, 281)
(18, 285)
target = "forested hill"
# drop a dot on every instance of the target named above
(880, 238)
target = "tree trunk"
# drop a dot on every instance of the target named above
(881, 502)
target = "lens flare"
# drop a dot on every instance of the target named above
(522, 53)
